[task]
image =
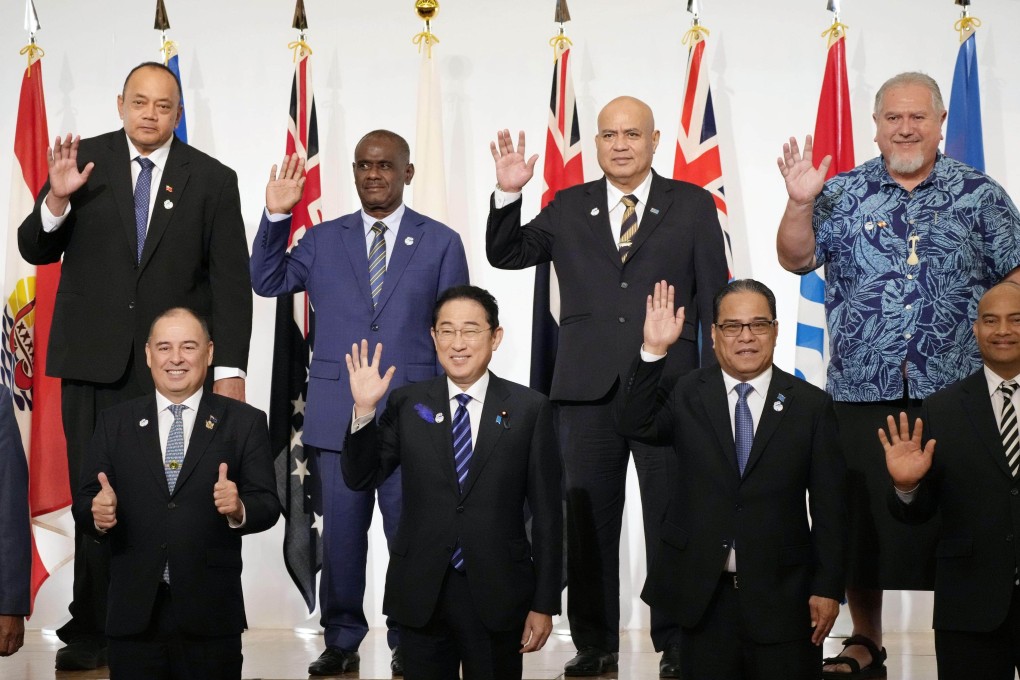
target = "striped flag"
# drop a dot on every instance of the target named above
(27, 315)
(297, 475)
(173, 63)
(563, 168)
(833, 137)
(697, 144)
(964, 140)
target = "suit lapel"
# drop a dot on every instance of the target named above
(148, 440)
(208, 420)
(175, 175)
(409, 236)
(488, 430)
(712, 392)
(119, 171)
(659, 201)
(356, 247)
(780, 392)
(441, 434)
(977, 404)
(597, 209)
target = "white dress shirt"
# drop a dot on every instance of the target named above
(392, 222)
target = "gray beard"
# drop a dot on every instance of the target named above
(905, 165)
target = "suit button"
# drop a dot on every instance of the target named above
(131, 305)
(162, 546)
(623, 319)
(1013, 492)
(460, 508)
(375, 327)
(739, 507)
(623, 284)
(171, 505)
(726, 545)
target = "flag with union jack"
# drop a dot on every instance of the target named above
(563, 168)
(833, 137)
(27, 314)
(697, 145)
(297, 474)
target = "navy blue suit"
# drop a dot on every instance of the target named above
(330, 262)
(15, 531)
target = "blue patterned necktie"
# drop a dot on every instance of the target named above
(377, 262)
(461, 458)
(743, 426)
(174, 458)
(142, 202)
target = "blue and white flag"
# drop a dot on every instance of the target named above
(964, 141)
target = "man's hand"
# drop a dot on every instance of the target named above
(104, 505)
(512, 171)
(908, 463)
(230, 387)
(284, 192)
(12, 634)
(537, 628)
(662, 326)
(367, 386)
(824, 611)
(803, 180)
(65, 179)
(225, 497)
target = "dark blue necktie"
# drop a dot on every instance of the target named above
(377, 262)
(743, 426)
(142, 202)
(461, 458)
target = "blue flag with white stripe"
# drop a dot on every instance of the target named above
(182, 127)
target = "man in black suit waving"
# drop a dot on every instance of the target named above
(974, 480)
(463, 582)
(141, 222)
(610, 240)
(172, 481)
(753, 578)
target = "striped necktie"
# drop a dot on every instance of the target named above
(628, 226)
(461, 458)
(142, 185)
(377, 262)
(1008, 426)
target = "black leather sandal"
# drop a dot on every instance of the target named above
(875, 669)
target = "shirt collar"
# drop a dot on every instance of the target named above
(392, 221)
(934, 177)
(994, 380)
(614, 195)
(191, 402)
(760, 382)
(477, 390)
(158, 157)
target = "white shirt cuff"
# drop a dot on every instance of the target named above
(221, 372)
(277, 217)
(51, 222)
(237, 525)
(649, 357)
(907, 496)
(358, 423)
(501, 199)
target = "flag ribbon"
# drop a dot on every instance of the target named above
(836, 31)
(300, 47)
(966, 25)
(560, 43)
(34, 52)
(695, 34)
(426, 37)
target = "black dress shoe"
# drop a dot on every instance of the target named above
(590, 661)
(81, 655)
(335, 661)
(397, 662)
(669, 665)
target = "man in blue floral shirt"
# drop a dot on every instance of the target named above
(910, 241)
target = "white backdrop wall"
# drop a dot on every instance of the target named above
(767, 60)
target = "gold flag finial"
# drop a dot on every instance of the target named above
(426, 10)
(162, 20)
(562, 12)
(300, 18)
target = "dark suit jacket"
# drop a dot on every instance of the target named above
(782, 559)
(512, 463)
(331, 263)
(15, 529)
(602, 300)
(195, 256)
(969, 481)
(184, 528)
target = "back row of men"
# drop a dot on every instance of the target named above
(910, 241)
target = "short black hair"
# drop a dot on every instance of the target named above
(479, 295)
(743, 286)
(402, 146)
(180, 311)
(162, 67)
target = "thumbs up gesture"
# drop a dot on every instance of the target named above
(104, 505)
(225, 496)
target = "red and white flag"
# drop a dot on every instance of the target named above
(697, 144)
(563, 168)
(27, 316)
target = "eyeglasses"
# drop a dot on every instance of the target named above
(468, 334)
(734, 329)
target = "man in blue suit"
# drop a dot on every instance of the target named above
(15, 531)
(375, 274)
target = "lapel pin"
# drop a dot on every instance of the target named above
(409, 241)
(168, 204)
(654, 211)
(210, 422)
(594, 212)
(503, 419)
(440, 418)
(143, 422)
(778, 406)
(882, 223)
(868, 226)
(169, 189)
